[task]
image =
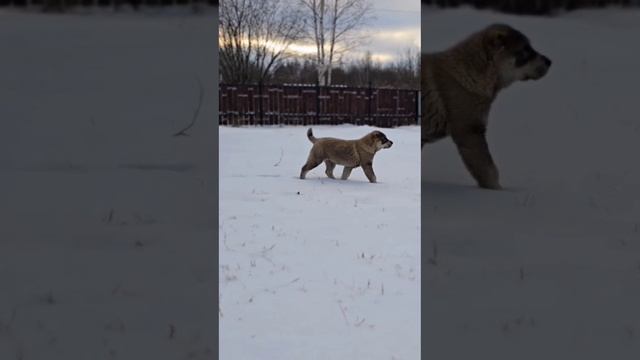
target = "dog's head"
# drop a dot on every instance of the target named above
(380, 140)
(511, 51)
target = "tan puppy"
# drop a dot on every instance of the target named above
(348, 153)
(460, 84)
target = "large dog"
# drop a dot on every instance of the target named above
(459, 85)
(348, 153)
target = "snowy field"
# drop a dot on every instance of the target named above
(550, 267)
(107, 221)
(318, 269)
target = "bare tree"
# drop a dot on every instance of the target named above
(363, 71)
(407, 67)
(332, 26)
(255, 37)
(363, 68)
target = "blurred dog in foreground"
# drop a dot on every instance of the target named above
(460, 84)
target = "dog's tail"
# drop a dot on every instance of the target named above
(310, 136)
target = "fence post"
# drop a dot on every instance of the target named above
(317, 102)
(418, 107)
(260, 89)
(222, 108)
(370, 96)
(301, 105)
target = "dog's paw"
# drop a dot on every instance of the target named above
(495, 186)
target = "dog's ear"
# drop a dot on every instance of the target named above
(369, 139)
(497, 37)
(495, 40)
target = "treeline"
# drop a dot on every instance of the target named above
(262, 42)
(537, 7)
(403, 73)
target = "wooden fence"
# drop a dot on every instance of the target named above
(313, 104)
(62, 5)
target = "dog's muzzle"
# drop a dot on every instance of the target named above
(542, 69)
(388, 144)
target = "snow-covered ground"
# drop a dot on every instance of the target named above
(550, 267)
(318, 268)
(107, 221)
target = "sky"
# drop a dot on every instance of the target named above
(394, 29)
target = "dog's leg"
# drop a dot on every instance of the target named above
(330, 166)
(346, 172)
(368, 170)
(311, 163)
(472, 146)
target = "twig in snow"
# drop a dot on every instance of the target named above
(224, 242)
(344, 314)
(630, 331)
(49, 298)
(280, 160)
(283, 285)
(109, 217)
(434, 260)
(183, 132)
(268, 249)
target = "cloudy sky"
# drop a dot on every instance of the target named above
(394, 29)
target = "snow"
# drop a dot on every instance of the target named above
(318, 268)
(550, 267)
(108, 226)
(108, 221)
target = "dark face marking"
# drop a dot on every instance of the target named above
(525, 62)
(524, 55)
(383, 139)
(512, 54)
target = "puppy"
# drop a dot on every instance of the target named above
(348, 153)
(460, 84)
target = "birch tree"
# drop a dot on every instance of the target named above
(332, 26)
